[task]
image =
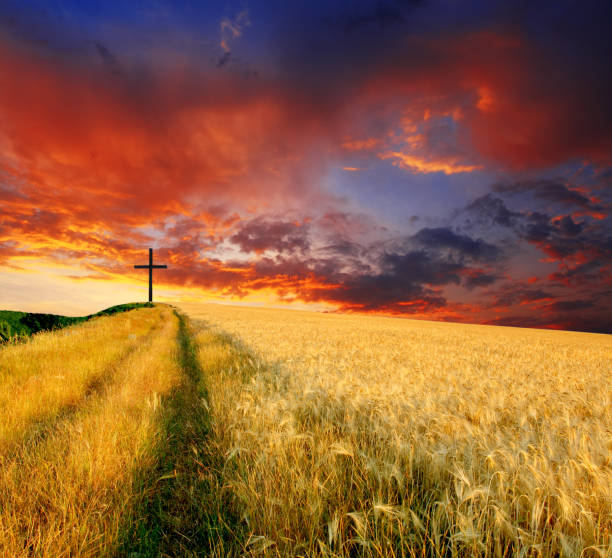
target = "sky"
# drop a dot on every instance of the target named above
(437, 159)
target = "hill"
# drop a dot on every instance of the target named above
(19, 324)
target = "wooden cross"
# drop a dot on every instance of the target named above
(150, 267)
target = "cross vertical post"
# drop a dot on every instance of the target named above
(150, 274)
(150, 267)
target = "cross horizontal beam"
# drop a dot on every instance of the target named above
(153, 266)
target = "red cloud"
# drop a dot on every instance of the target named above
(516, 105)
(104, 147)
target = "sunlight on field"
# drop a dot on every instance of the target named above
(284, 433)
(52, 373)
(79, 418)
(350, 435)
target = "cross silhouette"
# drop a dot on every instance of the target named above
(150, 267)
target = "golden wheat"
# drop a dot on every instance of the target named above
(386, 437)
(54, 372)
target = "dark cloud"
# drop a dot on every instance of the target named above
(400, 281)
(443, 238)
(516, 321)
(402, 285)
(537, 227)
(562, 237)
(559, 236)
(581, 274)
(419, 267)
(396, 279)
(580, 243)
(261, 234)
(516, 294)
(488, 208)
(568, 226)
(375, 278)
(576, 323)
(480, 279)
(569, 305)
(596, 324)
(553, 191)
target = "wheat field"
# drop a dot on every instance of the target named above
(79, 416)
(249, 432)
(371, 436)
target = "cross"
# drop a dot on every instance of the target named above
(150, 267)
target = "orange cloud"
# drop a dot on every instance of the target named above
(417, 164)
(360, 145)
(232, 29)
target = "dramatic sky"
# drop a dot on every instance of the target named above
(439, 159)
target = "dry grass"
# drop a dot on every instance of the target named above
(348, 436)
(80, 416)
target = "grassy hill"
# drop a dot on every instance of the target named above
(252, 432)
(20, 324)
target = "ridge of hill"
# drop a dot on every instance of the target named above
(24, 324)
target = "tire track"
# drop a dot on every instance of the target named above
(42, 426)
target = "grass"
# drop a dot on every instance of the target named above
(249, 432)
(187, 513)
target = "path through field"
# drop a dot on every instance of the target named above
(104, 444)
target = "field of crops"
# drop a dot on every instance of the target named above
(388, 437)
(242, 431)
(78, 418)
